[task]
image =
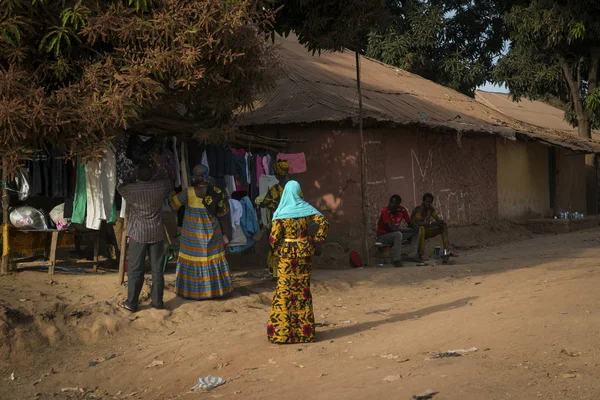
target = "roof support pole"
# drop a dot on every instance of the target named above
(363, 161)
(5, 225)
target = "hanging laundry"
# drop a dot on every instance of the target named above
(266, 182)
(177, 164)
(253, 190)
(260, 169)
(22, 181)
(100, 186)
(123, 211)
(241, 175)
(80, 198)
(229, 164)
(140, 147)
(249, 224)
(163, 166)
(184, 167)
(236, 213)
(230, 187)
(60, 175)
(124, 164)
(205, 161)
(297, 162)
(266, 161)
(195, 153)
(246, 159)
(39, 168)
(216, 160)
(69, 201)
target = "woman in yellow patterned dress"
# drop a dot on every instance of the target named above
(292, 319)
(271, 202)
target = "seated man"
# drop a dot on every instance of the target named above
(422, 217)
(390, 231)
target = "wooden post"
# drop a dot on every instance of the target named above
(363, 161)
(123, 250)
(5, 225)
(52, 256)
(96, 250)
(571, 194)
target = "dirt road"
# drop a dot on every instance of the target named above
(530, 308)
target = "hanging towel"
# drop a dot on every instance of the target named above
(297, 162)
(80, 198)
(95, 206)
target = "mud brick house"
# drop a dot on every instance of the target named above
(480, 163)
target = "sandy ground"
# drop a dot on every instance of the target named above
(530, 308)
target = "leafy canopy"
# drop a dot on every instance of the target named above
(76, 73)
(453, 43)
(555, 52)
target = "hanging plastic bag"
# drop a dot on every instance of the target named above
(25, 217)
(57, 216)
(23, 187)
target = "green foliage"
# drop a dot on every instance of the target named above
(80, 72)
(453, 43)
(555, 50)
(328, 24)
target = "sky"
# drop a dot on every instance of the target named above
(489, 87)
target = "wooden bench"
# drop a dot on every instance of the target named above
(383, 252)
(50, 254)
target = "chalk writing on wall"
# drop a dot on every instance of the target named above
(452, 205)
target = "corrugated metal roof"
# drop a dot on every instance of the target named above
(532, 112)
(322, 88)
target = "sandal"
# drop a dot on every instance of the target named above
(123, 304)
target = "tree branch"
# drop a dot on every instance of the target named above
(579, 79)
(594, 69)
(575, 94)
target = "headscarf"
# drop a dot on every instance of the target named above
(292, 205)
(282, 167)
(200, 171)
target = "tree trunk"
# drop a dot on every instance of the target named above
(584, 127)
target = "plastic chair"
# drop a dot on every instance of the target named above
(171, 249)
(170, 254)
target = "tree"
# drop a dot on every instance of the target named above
(555, 51)
(78, 73)
(454, 43)
(329, 24)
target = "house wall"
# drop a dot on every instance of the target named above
(563, 182)
(459, 172)
(523, 180)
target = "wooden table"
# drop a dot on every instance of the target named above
(50, 260)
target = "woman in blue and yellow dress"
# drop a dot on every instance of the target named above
(292, 319)
(202, 269)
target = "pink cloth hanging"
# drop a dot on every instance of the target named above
(260, 171)
(297, 162)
